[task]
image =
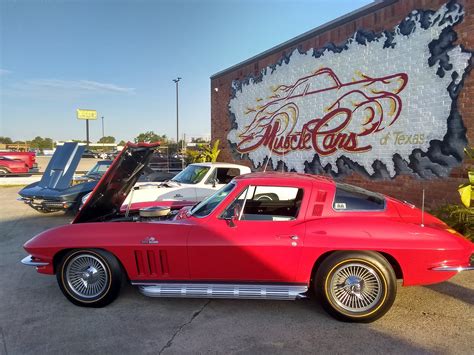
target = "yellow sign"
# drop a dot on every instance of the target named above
(86, 114)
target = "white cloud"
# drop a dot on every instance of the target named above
(75, 86)
(4, 72)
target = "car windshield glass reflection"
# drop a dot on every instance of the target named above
(191, 175)
(98, 169)
(207, 206)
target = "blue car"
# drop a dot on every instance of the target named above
(57, 191)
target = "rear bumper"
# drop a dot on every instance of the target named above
(454, 268)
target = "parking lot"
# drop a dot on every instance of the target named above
(35, 317)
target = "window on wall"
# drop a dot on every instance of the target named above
(352, 198)
(266, 203)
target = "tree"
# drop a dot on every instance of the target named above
(211, 152)
(150, 136)
(6, 140)
(122, 143)
(198, 140)
(107, 139)
(205, 153)
(41, 143)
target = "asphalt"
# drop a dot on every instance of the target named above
(35, 318)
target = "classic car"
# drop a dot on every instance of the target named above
(29, 158)
(10, 166)
(196, 182)
(57, 190)
(309, 236)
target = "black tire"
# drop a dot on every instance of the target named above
(95, 285)
(356, 286)
(4, 172)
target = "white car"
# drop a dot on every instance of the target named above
(195, 183)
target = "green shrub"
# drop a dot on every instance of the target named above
(458, 217)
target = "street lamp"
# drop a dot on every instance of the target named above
(103, 135)
(176, 81)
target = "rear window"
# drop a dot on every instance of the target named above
(352, 198)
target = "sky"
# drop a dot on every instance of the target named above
(120, 57)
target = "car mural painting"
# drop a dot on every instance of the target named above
(379, 104)
(361, 108)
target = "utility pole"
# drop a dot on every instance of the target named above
(176, 81)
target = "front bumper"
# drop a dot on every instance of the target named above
(29, 261)
(46, 205)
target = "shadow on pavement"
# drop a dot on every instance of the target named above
(456, 291)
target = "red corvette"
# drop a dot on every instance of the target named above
(263, 236)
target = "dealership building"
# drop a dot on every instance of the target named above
(380, 97)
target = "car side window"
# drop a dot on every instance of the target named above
(266, 203)
(352, 198)
(223, 175)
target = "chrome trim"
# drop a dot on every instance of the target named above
(237, 291)
(453, 268)
(28, 260)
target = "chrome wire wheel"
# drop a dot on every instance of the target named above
(355, 287)
(87, 276)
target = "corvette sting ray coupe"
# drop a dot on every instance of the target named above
(268, 235)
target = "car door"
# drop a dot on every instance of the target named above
(263, 245)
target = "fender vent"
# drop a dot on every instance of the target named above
(147, 264)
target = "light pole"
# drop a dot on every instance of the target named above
(103, 135)
(176, 81)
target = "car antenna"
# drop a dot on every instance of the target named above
(268, 159)
(423, 209)
(283, 162)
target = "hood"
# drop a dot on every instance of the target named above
(114, 186)
(61, 167)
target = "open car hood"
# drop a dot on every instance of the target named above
(114, 186)
(61, 167)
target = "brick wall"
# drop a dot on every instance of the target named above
(438, 190)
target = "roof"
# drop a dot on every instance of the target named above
(279, 176)
(374, 6)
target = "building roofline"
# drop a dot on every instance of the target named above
(367, 9)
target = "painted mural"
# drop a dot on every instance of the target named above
(380, 104)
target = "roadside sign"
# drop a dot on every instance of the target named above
(86, 114)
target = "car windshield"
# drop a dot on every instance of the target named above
(191, 175)
(204, 208)
(98, 169)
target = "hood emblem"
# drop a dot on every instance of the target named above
(149, 240)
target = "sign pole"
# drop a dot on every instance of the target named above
(87, 133)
